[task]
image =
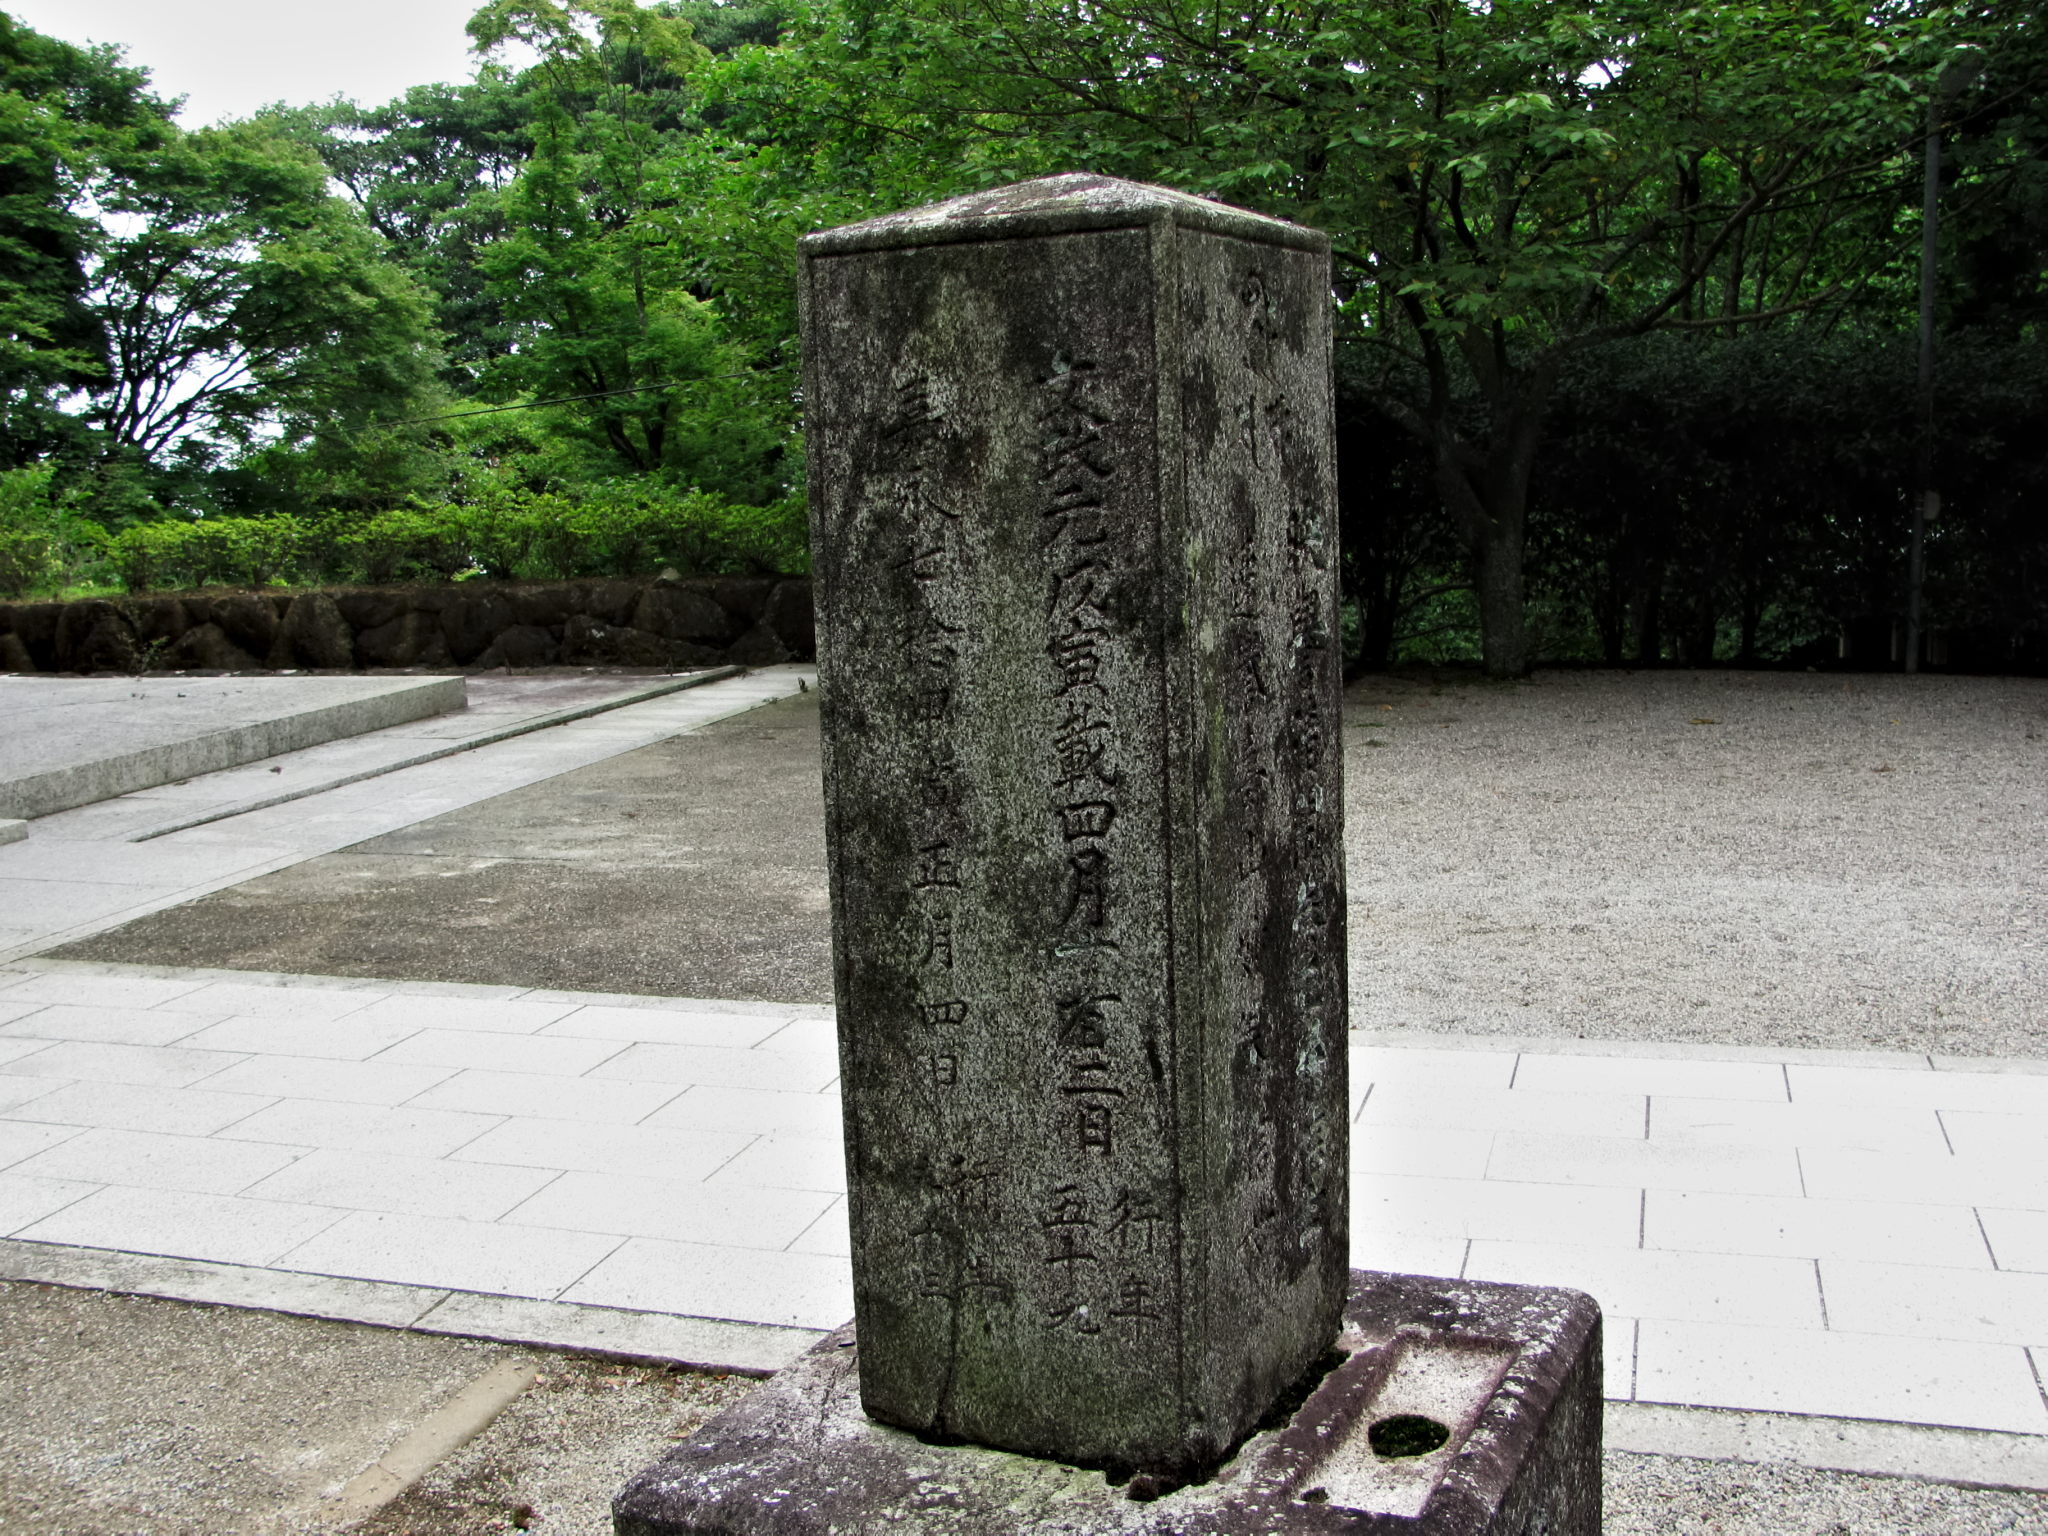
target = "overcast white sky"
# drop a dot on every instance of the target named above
(230, 57)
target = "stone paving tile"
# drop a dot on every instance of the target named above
(1831, 1173)
(755, 1111)
(201, 1165)
(811, 1038)
(299, 1004)
(788, 1162)
(1498, 1208)
(2019, 1240)
(502, 1053)
(1635, 1282)
(16, 1091)
(1408, 1253)
(327, 1040)
(351, 1082)
(1618, 1074)
(1452, 1152)
(714, 1067)
(125, 1106)
(798, 1290)
(548, 1096)
(1919, 1301)
(1432, 1069)
(116, 1026)
(1975, 1133)
(26, 1199)
(1997, 1092)
(620, 1149)
(828, 1235)
(734, 1031)
(13, 1048)
(1845, 1375)
(9, 1012)
(403, 1131)
(221, 1228)
(166, 1066)
(403, 1186)
(509, 1016)
(1874, 1229)
(1397, 1102)
(1736, 1122)
(19, 1141)
(65, 985)
(495, 1257)
(671, 1208)
(1551, 1159)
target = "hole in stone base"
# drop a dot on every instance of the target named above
(1406, 1434)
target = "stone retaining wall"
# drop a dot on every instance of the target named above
(476, 625)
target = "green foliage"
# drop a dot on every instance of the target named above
(619, 531)
(44, 545)
(66, 115)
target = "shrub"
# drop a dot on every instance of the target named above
(613, 531)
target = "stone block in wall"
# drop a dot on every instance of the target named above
(758, 647)
(592, 642)
(96, 637)
(313, 633)
(608, 602)
(683, 613)
(522, 645)
(744, 597)
(159, 621)
(249, 621)
(789, 614)
(471, 619)
(543, 606)
(205, 648)
(14, 656)
(373, 608)
(35, 626)
(413, 639)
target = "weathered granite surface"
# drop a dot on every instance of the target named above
(1511, 1372)
(1073, 535)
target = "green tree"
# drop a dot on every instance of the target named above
(65, 114)
(594, 267)
(1506, 183)
(243, 304)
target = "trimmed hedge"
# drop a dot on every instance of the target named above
(510, 536)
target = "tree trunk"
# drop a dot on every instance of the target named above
(1503, 618)
(1487, 492)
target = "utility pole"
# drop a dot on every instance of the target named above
(1955, 75)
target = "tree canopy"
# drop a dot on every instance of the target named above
(1560, 231)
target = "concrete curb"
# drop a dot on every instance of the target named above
(1969, 1458)
(707, 1343)
(456, 1422)
(12, 831)
(435, 754)
(1658, 1050)
(63, 789)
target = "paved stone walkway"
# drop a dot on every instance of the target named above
(1858, 1235)
(82, 871)
(1812, 1233)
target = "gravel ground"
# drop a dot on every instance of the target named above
(127, 1416)
(1745, 858)
(551, 1462)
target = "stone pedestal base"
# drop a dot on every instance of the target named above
(1460, 1407)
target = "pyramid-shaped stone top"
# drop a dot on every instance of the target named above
(1061, 204)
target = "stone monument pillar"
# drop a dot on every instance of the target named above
(1073, 523)
(1073, 515)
